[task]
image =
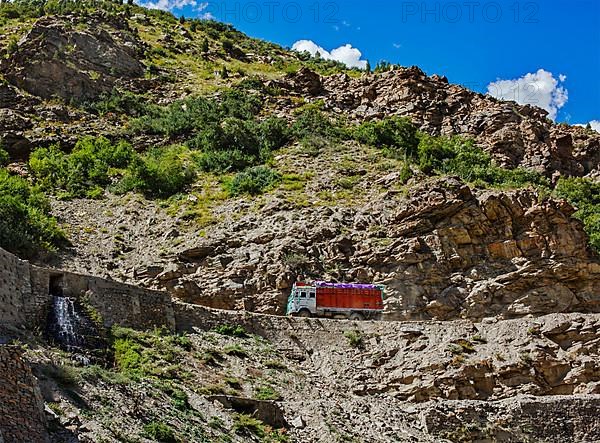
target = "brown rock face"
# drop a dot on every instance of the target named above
(56, 59)
(305, 81)
(459, 254)
(515, 135)
(444, 252)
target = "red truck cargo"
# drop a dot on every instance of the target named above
(336, 300)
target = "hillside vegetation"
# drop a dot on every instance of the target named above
(180, 155)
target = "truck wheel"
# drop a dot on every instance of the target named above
(304, 313)
(356, 316)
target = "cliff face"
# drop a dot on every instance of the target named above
(444, 251)
(75, 59)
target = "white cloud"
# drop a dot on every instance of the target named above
(346, 54)
(539, 89)
(397, 45)
(594, 124)
(170, 5)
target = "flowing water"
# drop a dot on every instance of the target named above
(70, 328)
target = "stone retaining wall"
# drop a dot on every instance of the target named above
(22, 416)
(25, 297)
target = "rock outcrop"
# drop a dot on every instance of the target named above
(514, 134)
(74, 60)
(444, 252)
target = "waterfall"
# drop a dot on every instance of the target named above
(69, 327)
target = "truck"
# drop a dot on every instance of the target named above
(353, 301)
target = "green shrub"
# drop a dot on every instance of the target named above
(267, 393)
(231, 330)
(26, 225)
(140, 355)
(128, 355)
(224, 161)
(239, 104)
(225, 130)
(232, 134)
(4, 158)
(458, 156)
(161, 172)
(120, 102)
(197, 114)
(274, 133)
(311, 122)
(355, 338)
(179, 399)
(83, 172)
(252, 181)
(64, 375)
(244, 424)
(584, 194)
(227, 46)
(397, 134)
(160, 432)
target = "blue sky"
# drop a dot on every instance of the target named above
(473, 43)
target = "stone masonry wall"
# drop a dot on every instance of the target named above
(118, 303)
(25, 297)
(22, 416)
(15, 288)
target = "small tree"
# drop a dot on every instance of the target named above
(224, 72)
(13, 45)
(193, 26)
(205, 47)
(368, 67)
(182, 19)
(228, 46)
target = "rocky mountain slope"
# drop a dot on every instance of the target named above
(184, 156)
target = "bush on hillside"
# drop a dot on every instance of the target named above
(225, 131)
(25, 222)
(237, 144)
(312, 122)
(160, 432)
(85, 171)
(397, 134)
(253, 181)
(178, 118)
(161, 172)
(584, 194)
(4, 158)
(197, 114)
(458, 156)
(118, 102)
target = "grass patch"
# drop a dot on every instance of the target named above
(355, 338)
(267, 393)
(235, 351)
(275, 364)
(231, 330)
(160, 432)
